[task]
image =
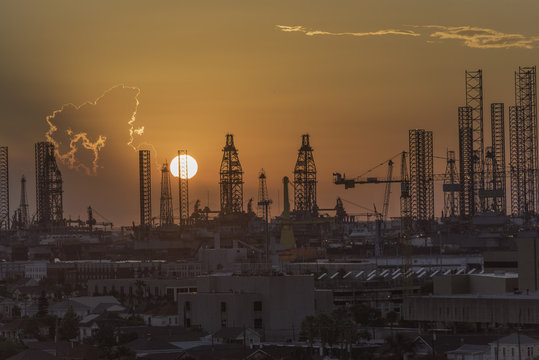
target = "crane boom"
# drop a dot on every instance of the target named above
(387, 192)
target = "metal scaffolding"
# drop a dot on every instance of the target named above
(494, 193)
(421, 175)
(22, 217)
(183, 187)
(166, 216)
(451, 187)
(4, 188)
(264, 202)
(466, 162)
(516, 160)
(145, 176)
(305, 179)
(524, 155)
(474, 99)
(231, 179)
(48, 186)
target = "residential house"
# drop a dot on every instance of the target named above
(237, 335)
(514, 346)
(470, 352)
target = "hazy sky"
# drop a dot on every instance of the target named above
(355, 75)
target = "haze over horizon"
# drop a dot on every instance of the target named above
(175, 75)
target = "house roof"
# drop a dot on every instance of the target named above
(449, 342)
(32, 354)
(233, 332)
(142, 344)
(471, 349)
(515, 339)
(108, 307)
(164, 356)
(89, 319)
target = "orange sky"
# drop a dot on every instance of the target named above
(355, 75)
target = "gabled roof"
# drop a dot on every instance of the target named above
(89, 319)
(151, 344)
(233, 332)
(515, 339)
(471, 349)
(108, 307)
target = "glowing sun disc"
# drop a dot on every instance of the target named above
(192, 166)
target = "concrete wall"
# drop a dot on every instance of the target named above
(286, 301)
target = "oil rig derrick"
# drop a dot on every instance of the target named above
(231, 179)
(264, 202)
(305, 180)
(166, 216)
(451, 187)
(183, 189)
(21, 217)
(474, 100)
(48, 186)
(145, 177)
(4, 188)
(466, 162)
(421, 177)
(494, 193)
(523, 144)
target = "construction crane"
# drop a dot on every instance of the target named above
(387, 191)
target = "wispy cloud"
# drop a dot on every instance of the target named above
(302, 29)
(471, 36)
(481, 38)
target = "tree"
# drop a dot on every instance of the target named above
(105, 336)
(398, 345)
(69, 325)
(42, 305)
(310, 329)
(327, 330)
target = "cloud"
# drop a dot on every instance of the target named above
(481, 38)
(471, 36)
(302, 29)
(80, 133)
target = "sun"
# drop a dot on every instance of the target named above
(192, 166)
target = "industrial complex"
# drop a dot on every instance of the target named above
(245, 276)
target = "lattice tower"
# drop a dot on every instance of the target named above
(231, 179)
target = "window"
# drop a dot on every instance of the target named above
(257, 305)
(187, 306)
(258, 323)
(223, 306)
(223, 323)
